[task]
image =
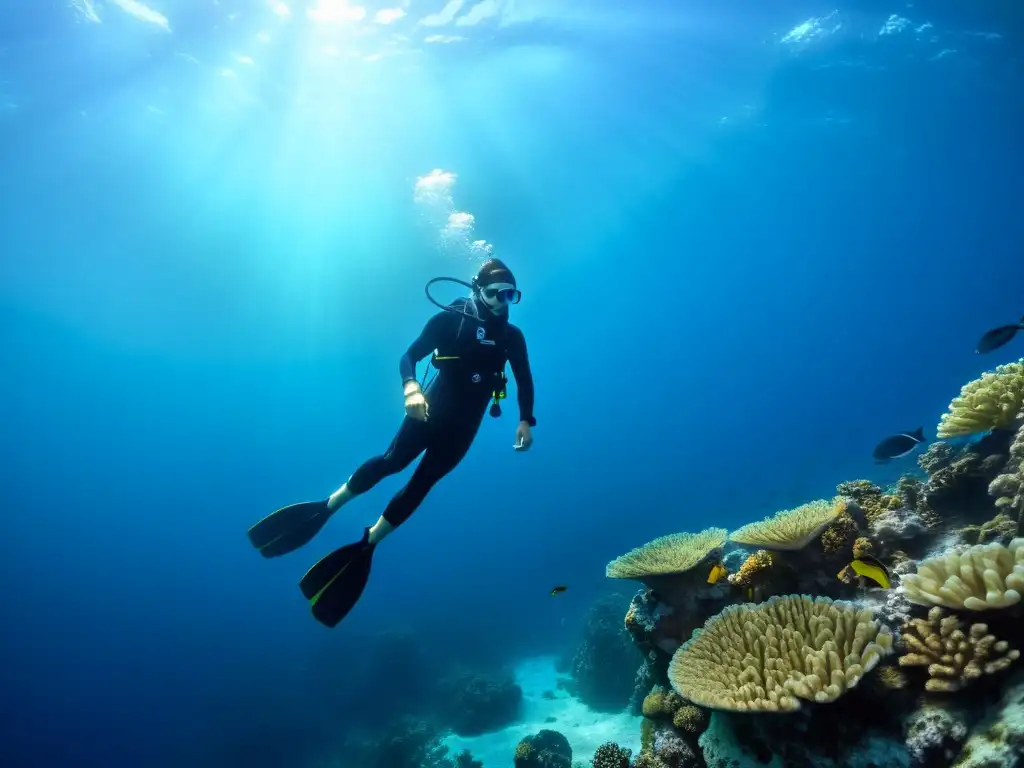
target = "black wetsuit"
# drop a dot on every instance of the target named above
(477, 351)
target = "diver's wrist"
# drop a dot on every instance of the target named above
(411, 387)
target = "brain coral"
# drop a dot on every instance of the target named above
(766, 657)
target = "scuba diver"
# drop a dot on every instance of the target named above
(471, 340)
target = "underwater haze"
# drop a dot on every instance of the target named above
(753, 239)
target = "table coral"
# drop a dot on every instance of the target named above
(790, 529)
(674, 553)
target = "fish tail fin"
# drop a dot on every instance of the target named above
(918, 434)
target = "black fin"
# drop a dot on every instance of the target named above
(289, 528)
(334, 585)
(918, 434)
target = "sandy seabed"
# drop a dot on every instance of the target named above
(585, 729)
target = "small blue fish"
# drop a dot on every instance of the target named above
(899, 445)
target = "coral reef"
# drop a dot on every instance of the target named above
(984, 577)
(841, 535)
(473, 703)
(953, 658)
(898, 667)
(1000, 530)
(604, 666)
(734, 740)
(1008, 486)
(993, 401)
(652, 669)
(893, 528)
(545, 749)
(935, 457)
(768, 657)
(997, 740)
(869, 497)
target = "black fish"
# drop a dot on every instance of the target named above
(558, 590)
(895, 446)
(997, 337)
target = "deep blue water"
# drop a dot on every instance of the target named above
(745, 257)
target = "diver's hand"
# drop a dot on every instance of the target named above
(524, 438)
(415, 402)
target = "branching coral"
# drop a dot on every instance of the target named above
(791, 529)
(611, 755)
(766, 657)
(675, 553)
(754, 571)
(983, 577)
(992, 401)
(690, 719)
(862, 547)
(953, 658)
(889, 679)
(841, 533)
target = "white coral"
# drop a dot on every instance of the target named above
(983, 577)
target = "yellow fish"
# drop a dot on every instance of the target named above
(867, 567)
(717, 572)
